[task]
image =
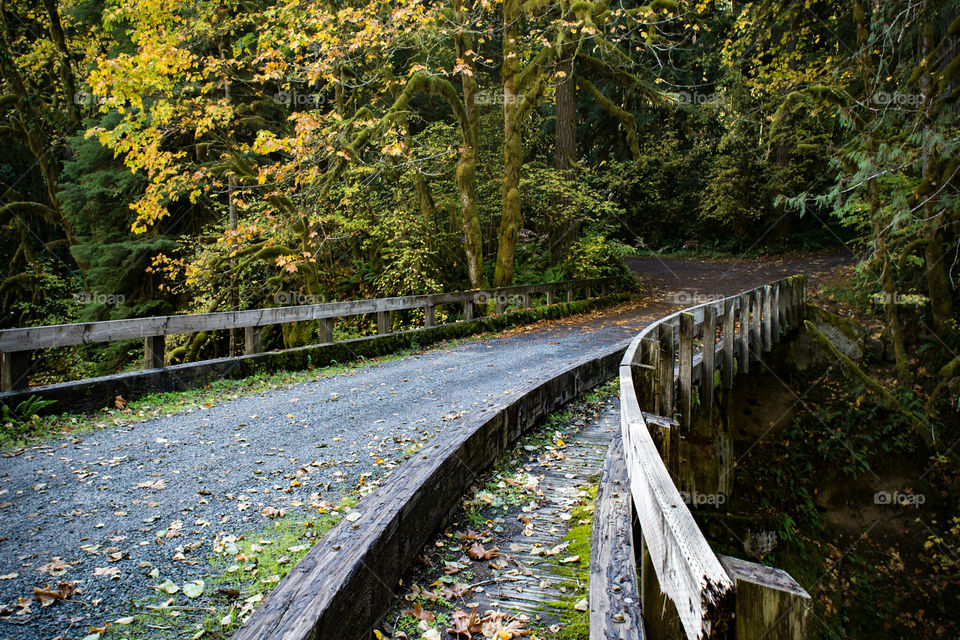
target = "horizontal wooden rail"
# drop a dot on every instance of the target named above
(16, 344)
(687, 589)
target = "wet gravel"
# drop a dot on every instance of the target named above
(98, 501)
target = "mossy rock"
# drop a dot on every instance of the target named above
(850, 338)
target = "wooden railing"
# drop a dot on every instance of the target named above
(17, 345)
(667, 393)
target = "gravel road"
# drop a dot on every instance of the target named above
(72, 506)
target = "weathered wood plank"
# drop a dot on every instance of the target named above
(755, 317)
(769, 602)
(15, 370)
(665, 376)
(251, 340)
(743, 352)
(30, 338)
(729, 332)
(775, 313)
(709, 356)
(687, 571)
(154, 352)
(325, 330)
(429, 315)
(614, 588)
(685, 372)
(766, 296)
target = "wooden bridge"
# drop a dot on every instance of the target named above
(671, 401)
(652, 572)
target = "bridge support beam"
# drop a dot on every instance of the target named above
(769, 602)
(251, 340)
(14, 370)
(154, 352)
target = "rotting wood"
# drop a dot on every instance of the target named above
(614, 588)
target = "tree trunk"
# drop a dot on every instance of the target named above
(566, 229)
(66, 60)
(938, 285)
(467, 166)
(510, 218)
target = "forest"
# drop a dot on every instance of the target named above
(162, 157)
(173, 157)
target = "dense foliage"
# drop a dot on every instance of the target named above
(172, 156)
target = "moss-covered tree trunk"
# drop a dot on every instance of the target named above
(467, 163)
(510, 215)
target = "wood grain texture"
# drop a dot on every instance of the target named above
(614, 586)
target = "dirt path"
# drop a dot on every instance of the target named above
(105, 509)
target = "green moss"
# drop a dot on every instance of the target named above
(574, 624)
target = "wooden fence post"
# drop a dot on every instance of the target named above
(383, 322)
(14, 370)
(153, 352)
(429, 315)
(569, 294)
(729, 333)
(501, 304)
(767, 296)
(769, 602)
(743, 352)
(775, 317)
(707, 364)
(755, 337)
(468, 311)
(251, 340)
(665, 376)
(685, 372)
(550, 296)
(326, 330)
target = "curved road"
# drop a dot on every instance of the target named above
(75, 505)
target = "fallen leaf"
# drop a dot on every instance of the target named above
(419, 613)
(153, 484)
(193, 589)
(465, 624)
(56, 567)
(167, 586)
(9, 576)
(477, 552)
